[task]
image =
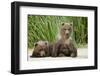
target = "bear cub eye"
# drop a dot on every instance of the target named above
(65, 29)
(69, 29)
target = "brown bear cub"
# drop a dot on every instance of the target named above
(41, 49)
(64, 46)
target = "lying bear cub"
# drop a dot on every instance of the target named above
(42, 49)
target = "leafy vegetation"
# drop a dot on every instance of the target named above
(47, 27)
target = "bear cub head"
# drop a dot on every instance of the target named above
(65, 30)
(40, 49)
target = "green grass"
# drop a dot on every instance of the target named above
(46, 28)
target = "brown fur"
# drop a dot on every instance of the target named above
(64, 46)
(41, 49)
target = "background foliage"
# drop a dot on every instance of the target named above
(47, 27)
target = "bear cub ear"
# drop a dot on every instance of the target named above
(35, 44)
(62, 23)
(71, 23)
(46, 42)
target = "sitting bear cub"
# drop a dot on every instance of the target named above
(64, 46)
